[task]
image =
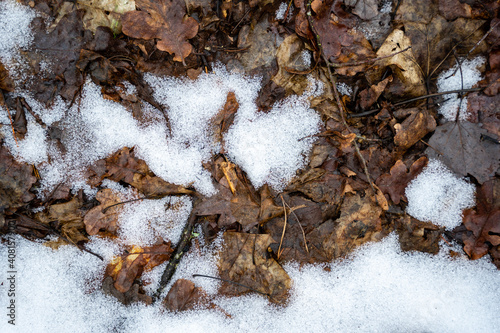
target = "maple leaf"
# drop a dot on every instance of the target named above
(164, 20)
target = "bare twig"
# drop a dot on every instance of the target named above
(284, 228)
(298, 221)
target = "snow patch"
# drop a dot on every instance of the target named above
(379, 288)
(438, 196)
(467, 74)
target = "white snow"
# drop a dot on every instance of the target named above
(438, 196)
(280, 12)
(378, 289)
(452, 79)
(15, 34)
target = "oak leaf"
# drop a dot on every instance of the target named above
(163, 19)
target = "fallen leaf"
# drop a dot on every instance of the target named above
(133, 295)
(184, 295)
(460, 147)
(164, 20)
(394, 184)
(127, 268)
(103, 216)
(359, 222)
(15, 181)
(413, 128)
(68, 218)
(484, 221)
(432, 36)
(268, 209)
(404, 64)
(125, 166)
(370, 95)
(244, 259)
(415, 235)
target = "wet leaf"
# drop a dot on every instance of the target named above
(164, 20)
(103, 216)
(484, 221)
(394, 184)
(126, 269)
(15, 181)
(460, 147)
(245, 260)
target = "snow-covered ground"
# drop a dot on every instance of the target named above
(379, 288)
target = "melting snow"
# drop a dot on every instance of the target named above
(438, 196)
(459, 77)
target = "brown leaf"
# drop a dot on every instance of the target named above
(268, 209)
(15, 181)
(460, 147)
(245, 260)
(484, 222)
(370, 95)
(452, 9)
(164, 20)
(101, 217)
(185, 296)
(414, 128)
(415, 235)
(125, 166)
(126, 269)
(403, 65)
(6, 83)
(359, 222)
(69, 218)
(395, 183)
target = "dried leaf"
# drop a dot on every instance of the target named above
(126, 269)
(359, 222)
(415, 235)
(69, 218)
(183, 295)
(15, 181)
(103, 216)
(404, 64)
(268, 209)
(413, 128)
(484, 222)
(125, 166)
(245, 260)
(370, 95)
(460, 147)
(395, 184)
(164, 20)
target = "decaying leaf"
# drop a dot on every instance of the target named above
(15, 181)
(125, 166)
(164, 20)
(460, 147)
(69, 218)
(245, 260)
(371, 94)
(359, 222)
(126, 269)
(268, 209)
(415, 235)
(413, 128)
(394, 184)
(105, 13)
(404, 65)
(484, 222)
(105, 215)
(184, 295)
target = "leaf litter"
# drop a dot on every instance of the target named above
(262, 164)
